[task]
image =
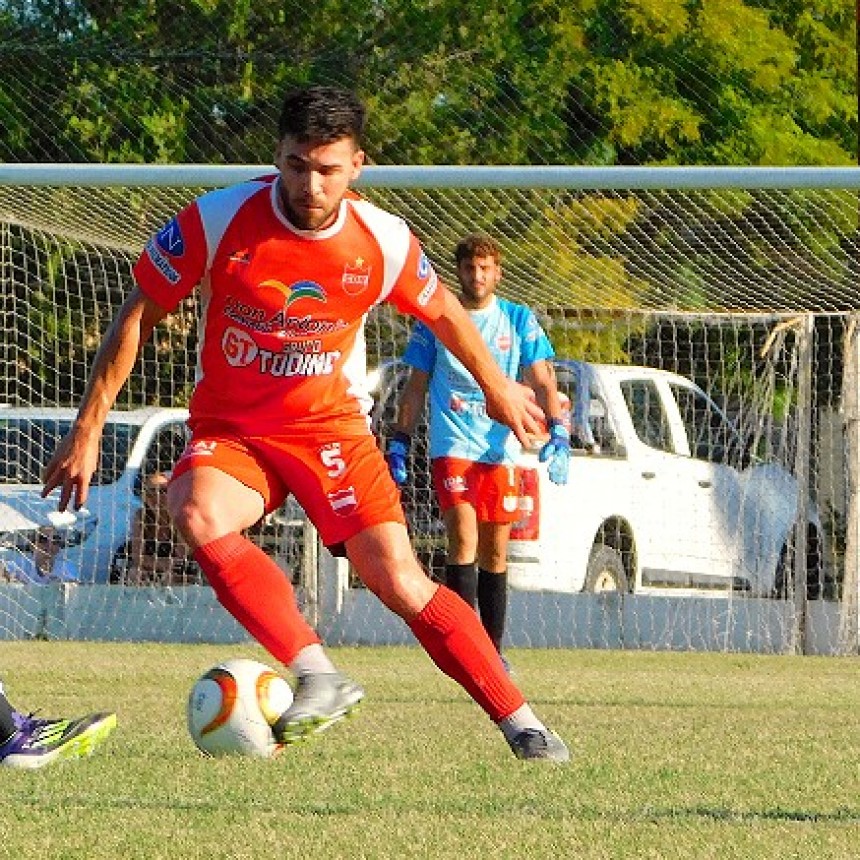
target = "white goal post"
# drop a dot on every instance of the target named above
(742, 279)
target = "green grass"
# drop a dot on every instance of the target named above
(674, 756)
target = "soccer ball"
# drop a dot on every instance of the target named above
(232, 707)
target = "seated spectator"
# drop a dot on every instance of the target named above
(154, 554)
(39, 566)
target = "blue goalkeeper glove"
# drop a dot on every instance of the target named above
(557, 451)
(395, 456)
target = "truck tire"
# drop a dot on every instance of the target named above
(605, 571)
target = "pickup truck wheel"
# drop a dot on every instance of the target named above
(605, 571)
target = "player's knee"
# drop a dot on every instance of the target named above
(404, 588)
(196, 521)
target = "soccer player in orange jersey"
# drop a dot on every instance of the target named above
(287, 266)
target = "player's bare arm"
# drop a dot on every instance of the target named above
(72, 466)
(540, 376)
(508, 401)
(411, 403)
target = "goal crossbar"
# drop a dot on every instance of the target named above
(437, 176)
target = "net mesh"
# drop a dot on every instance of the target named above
(716, 284)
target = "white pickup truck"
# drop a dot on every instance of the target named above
(664, 496)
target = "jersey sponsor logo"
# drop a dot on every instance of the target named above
(303, 346)
(201, 448)
(460, 406)
(169, 239)
(307, 326)
(297, 291)
(356, 277)
(243, 256)
(298, 363)
(158, 260)
(429, 289)
(455, 484)
(240, 349)
(343, 502)
(264, 321)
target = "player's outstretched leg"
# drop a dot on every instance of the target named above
(451, 634)
(38, 742)
(320, 700)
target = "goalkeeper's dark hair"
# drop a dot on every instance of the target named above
(477, 245)
(320, 114)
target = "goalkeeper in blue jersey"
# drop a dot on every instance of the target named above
(29, 742)
(473, 457)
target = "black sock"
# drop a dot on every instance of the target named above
(463, 579)
(7, 724)
(493, 603)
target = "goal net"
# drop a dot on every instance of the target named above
(741, 282)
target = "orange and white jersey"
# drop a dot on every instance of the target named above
(281, 340)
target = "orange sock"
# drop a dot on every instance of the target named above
(452, 635)
(257, 593)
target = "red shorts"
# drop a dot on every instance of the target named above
(492, 490)
(341, 480)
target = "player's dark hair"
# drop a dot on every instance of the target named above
(477, 245)
(321, 114)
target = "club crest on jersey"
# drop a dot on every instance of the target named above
(503, 342)
(170, 240)
(356, 277)
(343, 502)
(423, 266)
(297, 291)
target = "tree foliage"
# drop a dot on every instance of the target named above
(600, 82)
(543, 81)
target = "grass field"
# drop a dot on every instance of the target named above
(674, 756)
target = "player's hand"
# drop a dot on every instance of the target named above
(514, 405)
(557, 452)
(395, 455)
(71, 469)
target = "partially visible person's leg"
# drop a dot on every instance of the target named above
(492, 577)
(29, 743)
(461, 528)
(7, 723)
(258, 593)
(450, 632)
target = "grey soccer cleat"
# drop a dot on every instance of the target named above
(320, 700)
(539, 744)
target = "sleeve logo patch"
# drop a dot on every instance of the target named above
(153, 251)
(429, 289)
(170, 240)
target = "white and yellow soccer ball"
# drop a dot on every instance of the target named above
(231, 709)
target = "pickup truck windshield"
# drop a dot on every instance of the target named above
(26, 445)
